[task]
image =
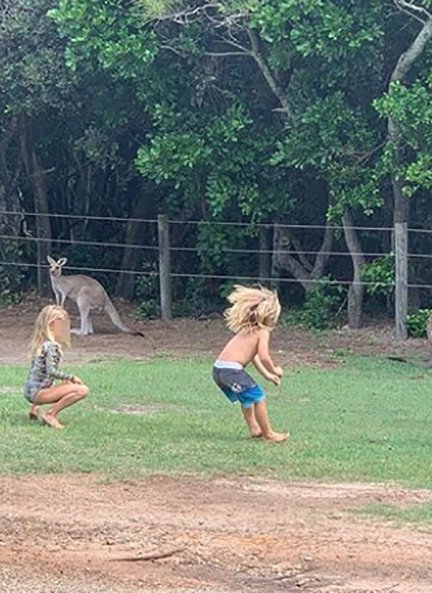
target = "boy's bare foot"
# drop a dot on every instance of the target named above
(34, 413)
(255, 430)
(256, 434)
(276, 437)
(52, 421)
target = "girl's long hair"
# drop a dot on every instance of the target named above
(252, 308)
(42, 331)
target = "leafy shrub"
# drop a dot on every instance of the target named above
(380, 275)
(147, 291)
(417, 323)
(322, 303)
(12, 285)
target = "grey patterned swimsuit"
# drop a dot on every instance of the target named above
(43, 370)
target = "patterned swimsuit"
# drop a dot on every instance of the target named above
(43, 370)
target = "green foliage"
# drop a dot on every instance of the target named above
(322, 302)
(417, 323)
(162, 105)
(328, 30)
(106, 33)
(212, 158)
(411, 108)
(32, 71)
(153, 9)
(380, 275)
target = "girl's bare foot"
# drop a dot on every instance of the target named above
(34, 413)
(52, 421)
(276, 437)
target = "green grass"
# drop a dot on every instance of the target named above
(368, 420)
(416, 514)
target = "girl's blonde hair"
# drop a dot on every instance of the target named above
(252, 308)
(42, 331)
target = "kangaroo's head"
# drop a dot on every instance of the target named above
(56, 266)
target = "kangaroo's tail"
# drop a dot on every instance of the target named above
(115, 318)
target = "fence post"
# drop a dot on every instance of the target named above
(164, 267)
(401, 290)
(264, 254)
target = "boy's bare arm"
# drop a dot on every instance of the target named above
(261, 368)
(264, 353)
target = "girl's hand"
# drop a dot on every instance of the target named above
(279, 372)
(77, 381)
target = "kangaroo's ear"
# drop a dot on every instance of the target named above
(62, 261)
(50, 260)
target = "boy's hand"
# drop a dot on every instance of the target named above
(77, 381)
(274, 379)
(279, 372)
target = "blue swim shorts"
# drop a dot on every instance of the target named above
(236, 384)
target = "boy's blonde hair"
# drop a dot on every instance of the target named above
(252, 308)
(42, 331)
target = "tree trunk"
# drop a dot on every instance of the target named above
(401, 202)
(37, 180)
(9, 196)
(288, 255)
(356, 289)
(132, 257)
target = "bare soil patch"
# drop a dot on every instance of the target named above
(189, 337)
(186, 533)
(77, 534)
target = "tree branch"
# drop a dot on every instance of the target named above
(232, 42)
(407, 6)
(304, 260)
(182, 17)
(224, 54)
(258, 55)
(301, 268)
(407, 59)
(323, 254)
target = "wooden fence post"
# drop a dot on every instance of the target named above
(401, 290)
(164, 267)
(264, 254)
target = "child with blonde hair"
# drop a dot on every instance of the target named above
(51, 332)
(253, 315)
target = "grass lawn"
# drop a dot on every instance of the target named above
(368, 420)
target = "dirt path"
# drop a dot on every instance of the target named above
(188, 534)
(186, 337)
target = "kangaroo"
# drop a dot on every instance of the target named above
(88, 294)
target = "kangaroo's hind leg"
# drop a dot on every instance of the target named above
(84, 309)
(89, 325)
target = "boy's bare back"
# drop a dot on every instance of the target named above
(245, 345)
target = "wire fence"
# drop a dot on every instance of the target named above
(24, 214)
(204, 250)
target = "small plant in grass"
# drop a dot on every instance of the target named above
(417, 323)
